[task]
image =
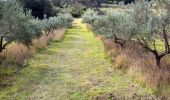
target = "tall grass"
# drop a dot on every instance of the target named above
(58, 34)
(17, 53)
(140, 66)
(43, 40)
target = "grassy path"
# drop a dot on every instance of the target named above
(75, 69)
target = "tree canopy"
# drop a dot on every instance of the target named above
(39, 8)
(142, 26)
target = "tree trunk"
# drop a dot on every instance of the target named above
(1, 44)
(158, 55)
(158, 60)
(53, 31)
(166, 40)
(120, 42)
(47, 33)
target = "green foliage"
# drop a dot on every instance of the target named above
(143, 25)
(61, 21)
(111, 25)
(30, 30)
(150, 25)
(114, 25)
(64, 20)
(39, 8)
(42, 73)
(1, 5)
(76, 11)
(17, 25)
(89, 16)
(141, 17)
(74, 7)
(22, 27)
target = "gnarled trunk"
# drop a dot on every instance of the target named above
(158, 60)
(120, 42)
(1, 44)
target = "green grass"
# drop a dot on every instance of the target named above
(74, 69)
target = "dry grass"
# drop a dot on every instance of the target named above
(58, 34)
(43, 40)
(17, 53)
(140, 66)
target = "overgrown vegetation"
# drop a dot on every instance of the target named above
(136, 35)
(74, 68)
(22, 34)
(140, 34)
(19, 26)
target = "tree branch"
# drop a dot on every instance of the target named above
(6, 44)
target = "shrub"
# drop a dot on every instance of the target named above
(116, 26)
(61, 21)
(89, 16)
(64, 20)
(77, 11)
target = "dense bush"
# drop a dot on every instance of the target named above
(61, 21)
(89, 16)
(39, 8)
(116, 26)
(64, 20)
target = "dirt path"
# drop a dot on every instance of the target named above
(75, 69)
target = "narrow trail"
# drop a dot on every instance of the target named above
(74, 69)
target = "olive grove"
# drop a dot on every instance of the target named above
(143, 26)
(17, 25)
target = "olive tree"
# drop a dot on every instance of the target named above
(89, 16)
(152, 26)
(64, 20)
(61, 21)
(16, 25)
(116, 26)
